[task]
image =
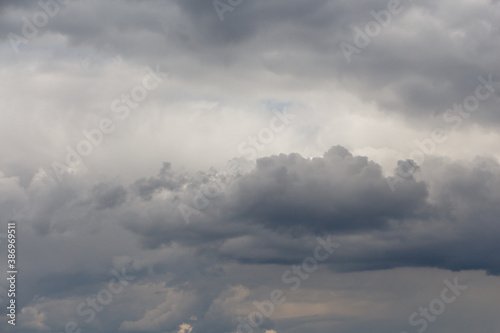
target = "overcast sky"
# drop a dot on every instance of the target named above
(279, 166)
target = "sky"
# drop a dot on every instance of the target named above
(280, 166)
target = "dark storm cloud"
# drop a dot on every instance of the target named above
(323, 195)
(445, 219)
(458, 233)
(292, 194)
(272, 214)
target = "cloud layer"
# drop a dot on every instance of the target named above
(202, 151)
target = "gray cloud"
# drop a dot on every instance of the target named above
(120, 212)
(420, 74)
(323, 195)
(445, 219)
(107, 196)
(296, 198)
